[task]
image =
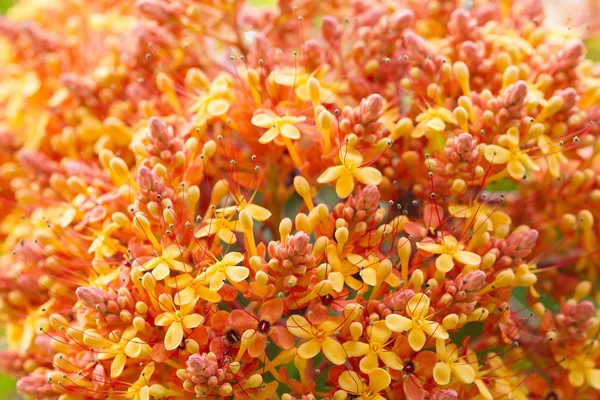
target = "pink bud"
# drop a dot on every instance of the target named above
(401, 20)
(157, 131)
(584, 311)
(90, 296)
(331, 29)
(475, 280)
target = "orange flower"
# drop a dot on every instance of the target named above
(265, 325)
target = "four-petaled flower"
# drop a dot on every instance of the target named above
(354, 385)
(418, 324)
(449, 250)
(351, 168)
(176, 320)
(378, 336)
(319, 338)
(508, 151)
(450, 364)
(265, 326)
(225, 269)
(277, 125)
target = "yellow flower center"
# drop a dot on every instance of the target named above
(375, 347)
(320, 335)
(220, 266)
(178, 316)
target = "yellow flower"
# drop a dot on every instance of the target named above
(128, 346)
(373, 271)
(140, 390)
(350, 169)
(222, 227)
(433, 120)
(354, 385)
(257, 213)
(449, 251)
(497, 217)
(417, 325)
(215, 103)
(378, 335)
(554, 157)
(284, 126)
(320, 338)
(227, 268)
(291, 77)
(581, 370)
(451, 364)
(176, 320)
(161, 266)
(511, 154)
(478, 381)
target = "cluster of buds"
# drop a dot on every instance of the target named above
(352, 200)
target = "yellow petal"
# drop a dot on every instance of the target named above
(369, 362)
(515, 169)
(369, 276)
(208, 295)
(117, 365)
(344, 185)
(444, 263)
(391, 359)
(185, 296)
(308, 350)
(216, 282)
(429, 247)
(418, 306)
(417, 339)
(467, 258)
(483, 390)
(263, 121)
(351, 382)
(441, 373)
(333, 351)
(435, 330)
(576, 378)
(290, 131)
(398, 323)
(356, 349)
(257, 213)
(299, 326)
(368, 176)
(144, 393)
(218, 107)
(192, 321)
(161, 271)
(463, 372)
(378, 332)
(174, 336)
(268, 136)
(237, 274)
(331, 174)
(233, 258)
(379, 379)
(163, 320)
(350, 156)
(496, 154)
(436, 124)
(592, 376)
(133, 348)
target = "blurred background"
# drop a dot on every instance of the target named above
(579, 17)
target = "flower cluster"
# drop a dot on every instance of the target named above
(349, 199)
